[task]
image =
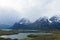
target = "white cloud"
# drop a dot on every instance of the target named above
(32, 9)
(41, 8)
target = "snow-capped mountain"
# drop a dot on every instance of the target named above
(22, 24)
(24, 21)
(43, 23)
(55, 18)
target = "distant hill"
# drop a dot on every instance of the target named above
(2, 26)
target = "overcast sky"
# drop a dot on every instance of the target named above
(12, 10)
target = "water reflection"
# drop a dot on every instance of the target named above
(23, 35)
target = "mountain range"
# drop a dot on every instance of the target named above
(43, 23)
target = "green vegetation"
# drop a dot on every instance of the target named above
(12, 32)
(7, 39)
(9, 32)
(54, 36)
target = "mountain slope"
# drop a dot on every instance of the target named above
(22, 24)
(40, 24)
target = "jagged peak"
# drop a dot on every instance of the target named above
(42, 19)
(24, 21)
(55, 18)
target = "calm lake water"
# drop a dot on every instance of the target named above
(22, 35)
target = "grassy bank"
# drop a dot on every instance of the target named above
(54, 36)
(12, 32)
(24, 31)
(7, 39)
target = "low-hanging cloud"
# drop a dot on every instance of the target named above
(31, 9)
(9, 16)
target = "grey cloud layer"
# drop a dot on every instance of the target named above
(31, 9)
(8, 16)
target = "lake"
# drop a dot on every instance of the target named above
(23, 35)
